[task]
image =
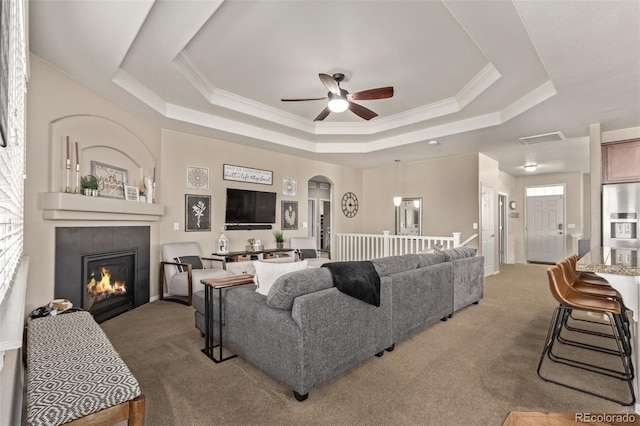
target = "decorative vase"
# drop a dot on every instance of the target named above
(280, 245)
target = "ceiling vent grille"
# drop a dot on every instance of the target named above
(546, 137)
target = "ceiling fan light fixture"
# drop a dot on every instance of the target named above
(531, 167)
(337, 103)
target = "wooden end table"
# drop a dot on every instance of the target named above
(209, 286)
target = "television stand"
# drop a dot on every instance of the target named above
(246, 256)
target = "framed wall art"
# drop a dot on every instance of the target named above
(197, 213)
(197, 177)
(289, 215)
(131, 193)
(111, 179)
(289, 187)
(247, 174)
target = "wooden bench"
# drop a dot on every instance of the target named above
(75, 376)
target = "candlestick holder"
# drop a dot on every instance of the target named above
(68, 167)
(77, 190)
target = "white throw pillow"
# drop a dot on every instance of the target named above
(268, 272)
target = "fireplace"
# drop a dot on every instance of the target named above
(109, 282)
(104, 270)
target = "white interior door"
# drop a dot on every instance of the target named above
(545, 228)
(488, 229)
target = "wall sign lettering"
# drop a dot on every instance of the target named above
(246, 174)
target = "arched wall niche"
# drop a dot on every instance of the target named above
(99, 139)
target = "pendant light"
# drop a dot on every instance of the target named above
(397, 199)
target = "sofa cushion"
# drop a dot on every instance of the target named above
(195, 261)
(267, 273)
(394, 264)
(309, 253)
(287, 287)
(433, 258)
(459, 253)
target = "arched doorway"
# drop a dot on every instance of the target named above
(319, 211)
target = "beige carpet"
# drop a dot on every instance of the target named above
(471, 370)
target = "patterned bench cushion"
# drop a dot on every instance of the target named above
(73, 370)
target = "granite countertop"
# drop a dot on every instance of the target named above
(608, 260)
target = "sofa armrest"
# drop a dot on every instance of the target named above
(468, 281)
(266, 337)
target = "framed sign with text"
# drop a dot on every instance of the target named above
(247, 174)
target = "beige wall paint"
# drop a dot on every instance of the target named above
(181, 150)
(448, 187)
(51, 96)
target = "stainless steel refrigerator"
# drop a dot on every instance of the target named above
(620, 215)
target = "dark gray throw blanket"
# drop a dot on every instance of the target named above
(358, 279)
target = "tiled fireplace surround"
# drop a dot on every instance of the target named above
(72, 243)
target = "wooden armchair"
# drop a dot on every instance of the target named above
(181, 270)
(305, 248)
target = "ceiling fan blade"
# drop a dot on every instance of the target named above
(324, 114)
(305, 99)
(367, 95)
(330, 83)
(361, 111)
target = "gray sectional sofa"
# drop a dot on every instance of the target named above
(306, 332)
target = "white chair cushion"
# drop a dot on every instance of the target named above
(302, 243)
(170, 251)
(317, 262)
(177, 284)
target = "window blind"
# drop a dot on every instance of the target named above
(13, 89)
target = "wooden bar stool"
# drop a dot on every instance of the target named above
(570, 299)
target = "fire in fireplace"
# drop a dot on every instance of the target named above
(109, 282)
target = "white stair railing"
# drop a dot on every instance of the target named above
(371, 246)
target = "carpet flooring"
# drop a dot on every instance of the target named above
(473, 369)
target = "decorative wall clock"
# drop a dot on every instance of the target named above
(349, 204)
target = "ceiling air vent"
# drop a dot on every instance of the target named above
(546, 137)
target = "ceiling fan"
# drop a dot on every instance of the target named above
(340, 100)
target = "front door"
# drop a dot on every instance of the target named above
(545, 228)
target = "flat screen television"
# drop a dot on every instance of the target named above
(245, 206)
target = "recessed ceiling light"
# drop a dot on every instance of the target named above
(531, 167)
(434, 142)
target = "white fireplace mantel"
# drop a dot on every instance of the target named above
(64, 206)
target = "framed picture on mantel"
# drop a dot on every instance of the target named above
(111, 179)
